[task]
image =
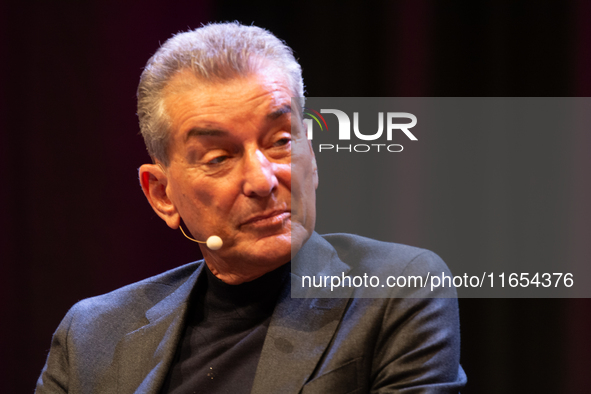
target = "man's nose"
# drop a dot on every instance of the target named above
(259, 175)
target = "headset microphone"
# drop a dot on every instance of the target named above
(214, 242)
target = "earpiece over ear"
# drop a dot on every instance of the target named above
(154, 182)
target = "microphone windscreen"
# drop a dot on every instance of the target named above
(214, 242)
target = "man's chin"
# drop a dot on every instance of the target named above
(261, 252)
(274, 250)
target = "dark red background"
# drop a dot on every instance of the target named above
(75, 224)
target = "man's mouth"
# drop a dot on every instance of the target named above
(270, 218)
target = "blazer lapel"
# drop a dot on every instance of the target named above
(300, 328)
(145, 355)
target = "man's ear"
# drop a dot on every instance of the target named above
(314, 165)
(154, 182)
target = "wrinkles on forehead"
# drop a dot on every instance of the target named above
(209, 132)
(234, 109)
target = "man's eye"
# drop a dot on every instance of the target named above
(283, 141)
(218, 160)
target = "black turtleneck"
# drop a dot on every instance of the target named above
(224, 334)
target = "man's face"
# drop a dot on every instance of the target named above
(230, 171)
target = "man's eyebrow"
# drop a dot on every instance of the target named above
(285, 109)
(205, 132)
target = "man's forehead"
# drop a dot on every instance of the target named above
(219, 132)
(203, 108)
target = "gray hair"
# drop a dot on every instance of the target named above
(215, 52)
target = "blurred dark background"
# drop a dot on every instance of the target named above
(75, 223)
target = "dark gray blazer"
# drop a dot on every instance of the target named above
(124, 341)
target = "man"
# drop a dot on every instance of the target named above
(216, 113)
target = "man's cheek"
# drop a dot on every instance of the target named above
(204, 195)
(283, 173)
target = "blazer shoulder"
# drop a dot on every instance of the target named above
(84, 346)
(363, 252)
(137, 297)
